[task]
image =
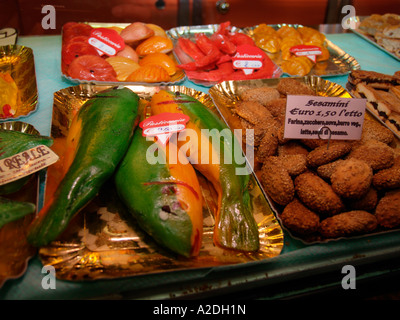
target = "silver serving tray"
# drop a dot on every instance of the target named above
(339, 63)
(175, 79)
(226, 94)
(365, 36)
(190, 33)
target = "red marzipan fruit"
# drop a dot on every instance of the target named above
(73, 29)
(73, 50)
(89, 67)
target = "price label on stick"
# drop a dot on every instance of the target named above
(314, 117)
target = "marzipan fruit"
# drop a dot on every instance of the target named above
(99, 137)
(235, 226)
(163, 196)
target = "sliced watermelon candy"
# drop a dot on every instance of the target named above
(77, 39)
(91, 67)
(73, 50)
(73, 29)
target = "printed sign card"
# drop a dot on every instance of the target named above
(315, 117)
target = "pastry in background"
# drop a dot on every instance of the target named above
(382, 92)
(376, 23)
(384, 29)
(373, 79)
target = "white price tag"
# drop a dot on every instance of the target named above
(313, 117)
(25, 163)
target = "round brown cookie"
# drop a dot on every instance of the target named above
(317, 194)
(351, 179)
(252, 111)
(387, 179)
(328, 153)
(376, 153)
(277, 182)
(268, 144)
(262, 95)
(291, 86)
(292, 147)
(325, 171)
(367, 203)
(294, 163)
(299, 219)
(373, 130)
(387, 211)
(277, 107)
(348, 224)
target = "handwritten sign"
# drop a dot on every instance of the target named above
(25, 163)
(164, 125)
(313, 117)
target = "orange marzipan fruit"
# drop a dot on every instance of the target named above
(149, 73)
(158, 31)
(160, 59)
(154, 44)
(123, 66)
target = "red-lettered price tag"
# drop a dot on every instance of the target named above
(306, 50)
(164, 125)
(248, 58)
(106, 41)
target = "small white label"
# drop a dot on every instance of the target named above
(314, 117)
(248, 64)
(25, 163)
(102, 47)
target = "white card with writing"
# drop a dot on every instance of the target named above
(315, 117)
(25, 163)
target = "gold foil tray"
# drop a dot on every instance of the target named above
(190, 32)
(15, 251)
(19, 62)
(226, 94)
(103, 241)
(339, 63)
